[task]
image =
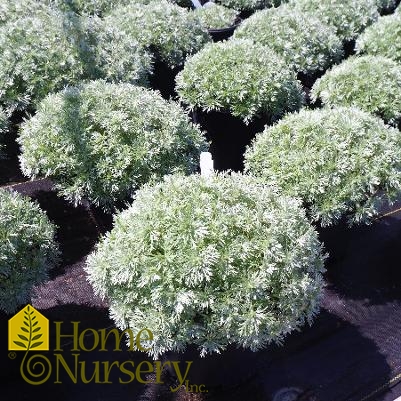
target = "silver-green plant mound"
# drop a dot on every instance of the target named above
(172, 32)
(46, 52)
(91, 7)
(210, 261)
(216, 16)
(340, 162)
(27, 249)
(304, 41)
(101, 141)
(101, 7)
(349, 17)
(372, 83)
(250, 5)
(382, 38)
(14, 10)
(386, 5)
(242, 77)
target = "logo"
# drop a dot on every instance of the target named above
(29, 331)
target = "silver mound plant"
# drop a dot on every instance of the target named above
(210, 261)
(303, 40)
(382, 38)
(342, 162)
(90, 7)
(13, 10)
(101, 7)
(101, 141)
(250, 5)
(170, 31)
(241, 77)
(27, 249)
(46, 52)
(372, 83)
(349, 17)
(386, 5)
(216, 16)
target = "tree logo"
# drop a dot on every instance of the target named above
(28, 330)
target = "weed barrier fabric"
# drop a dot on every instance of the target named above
(352, 351)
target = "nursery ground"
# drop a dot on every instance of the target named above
(352, 352)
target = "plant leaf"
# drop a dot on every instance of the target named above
(24, 329)
(36, 344)
(20, 344)
(36, 337)
(35, 330)
(22, 337)
(34, 324)
(26, 324)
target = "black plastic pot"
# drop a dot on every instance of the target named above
(10, 171)
(246, 13)
(349, 48)
(229, 137)
(308, 80)
(163, 79)
(224, 33)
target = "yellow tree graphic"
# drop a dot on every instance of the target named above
(31, 323)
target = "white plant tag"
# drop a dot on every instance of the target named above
(206, 164)
(196, 3)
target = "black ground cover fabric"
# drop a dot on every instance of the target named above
(352, 352)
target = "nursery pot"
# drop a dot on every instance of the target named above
(228, 137)
(246, 13)
(363, 259)
(224, 33)
(349, 47)
(163, 79)
(10, 171)
(308, 80)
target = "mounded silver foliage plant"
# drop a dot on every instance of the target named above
(216, 16)
(27, 249)
(13, 10)
(249, 5)
(386, 5)
(210, 261)
(242, 77)
(101, 141)
(340, 162)
(172, 32)
(304, 41)
(102, 7)
(42, 54)
(372, 83)
(91, 7)
(349, 17)
(382, 38)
